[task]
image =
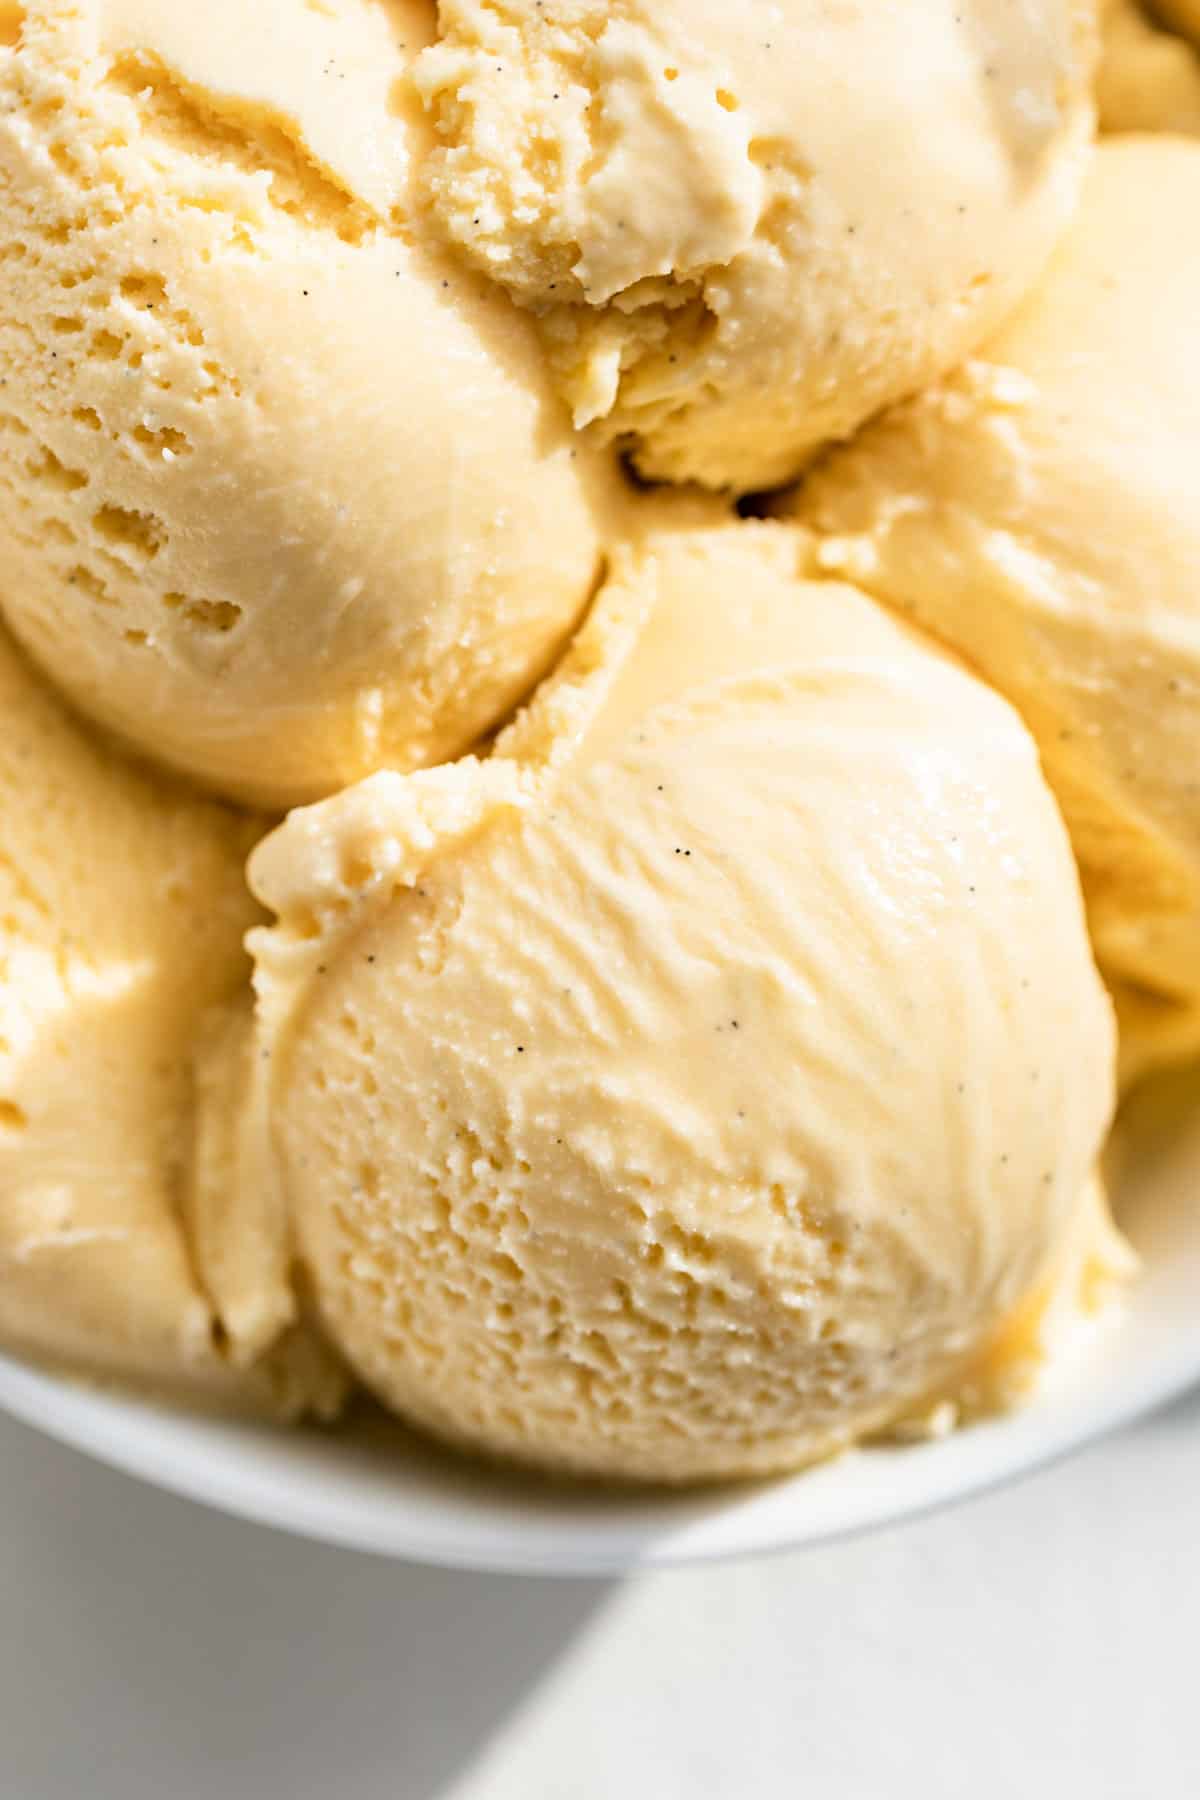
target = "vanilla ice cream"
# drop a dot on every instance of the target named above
(122, 911)
(744, 229)
(714, 1074)
(285, 495)
(1039, 512)
(1149, 80)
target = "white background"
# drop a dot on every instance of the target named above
(1040, 1644)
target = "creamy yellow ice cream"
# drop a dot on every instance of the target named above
(745, 229)
(1039, 512)
(285, 495)
(711, 1069)
(1148, 79)
(122, 911)
(715, 1073)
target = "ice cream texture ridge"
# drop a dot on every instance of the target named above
(599, 705)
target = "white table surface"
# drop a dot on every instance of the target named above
(1039, 1644)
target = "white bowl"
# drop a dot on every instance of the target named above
(381, 1489)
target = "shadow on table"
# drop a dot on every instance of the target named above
(144, 1635)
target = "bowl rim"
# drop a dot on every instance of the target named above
(427, 1505)
(611, 1536)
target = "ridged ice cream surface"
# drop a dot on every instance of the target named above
(1038, 511)
(712, 1075)
(123, 906)
(285, 492)
(744, 229)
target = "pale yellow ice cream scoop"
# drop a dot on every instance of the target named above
(743, 229)
(122, 911)
(1040, 512)
(713, 1075)
(284, 496)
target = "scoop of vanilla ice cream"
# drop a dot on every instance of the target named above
(744, 229)
(284, 496)
(122, 912)
(1038, 512)
(712, 1075)
(1148, 79)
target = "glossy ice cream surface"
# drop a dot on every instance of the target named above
(713, 1075)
